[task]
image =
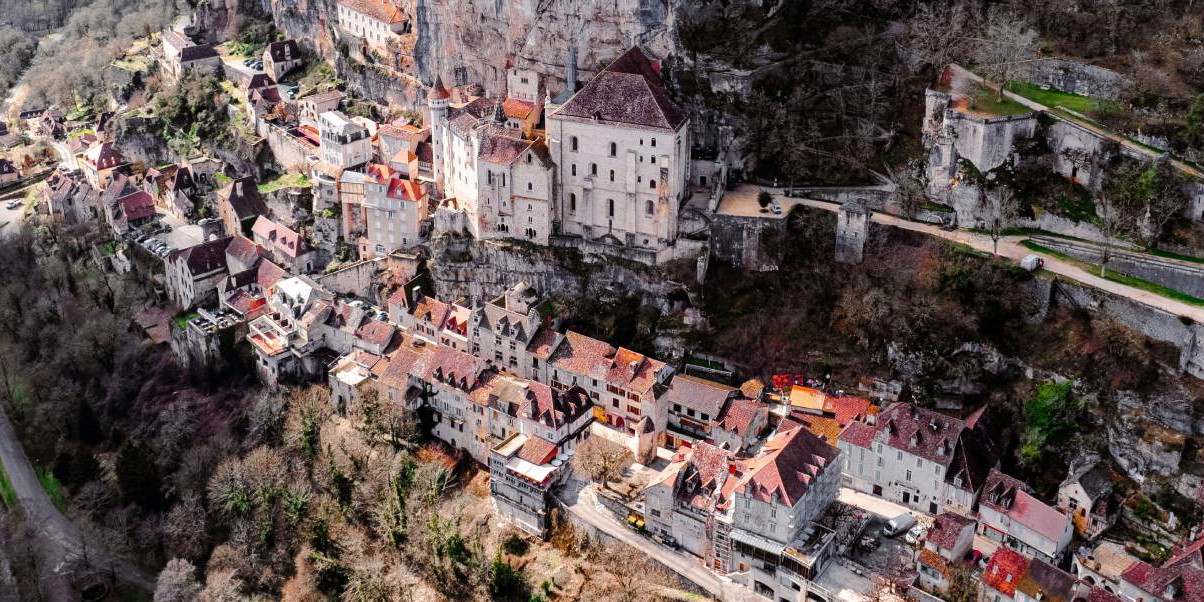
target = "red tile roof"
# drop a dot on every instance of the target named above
(431, 311)
(139, 205)
(1004, 571)
(438, 90)
(787, 465)
(583, 355)
(859, 434)
(376, 332)
(537, 450)
(737, 416)
(634, 371)
(1183, 573)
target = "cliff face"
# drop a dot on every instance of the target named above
(472, 41)
(479, 36)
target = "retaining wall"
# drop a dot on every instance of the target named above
(1179, 275)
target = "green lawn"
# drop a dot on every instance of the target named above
(1118, 277)
(54, 489)
(8, 495)
(109, 248)
(288, 180)
(221, 178)
(1179, 256)
(1057, 98)
(985, 100)
(80, 132)
(180, 321)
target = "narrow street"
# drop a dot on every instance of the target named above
(580, 500)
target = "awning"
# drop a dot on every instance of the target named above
(757, 541)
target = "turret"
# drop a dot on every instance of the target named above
(437, 100)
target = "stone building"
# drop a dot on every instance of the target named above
(622, 150)
(344, 142)
(919, 458)
(394, 209)
(377, 23)
(1011, 515)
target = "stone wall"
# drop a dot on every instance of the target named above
(738, 240)
(462, 267)
(362, 277)
(1079, 78)
(290, 153)
(852, 229)
(1154, 323)
(1179, 275)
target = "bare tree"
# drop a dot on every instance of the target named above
(937, 35)
(1113, 222)
(602, 459)
(633, 576)
(1165, 197)
(177, 582)
(1006, 48)
(1002, 207)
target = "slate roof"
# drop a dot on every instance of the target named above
(787, 466)
(703, 396)
(197, 53)
(243, 250)
(1095, 481)
(283, 50)
(242, 194)
(104, 156)
(203, 258)
(946, 528)
(629, 91)
(1043, 581)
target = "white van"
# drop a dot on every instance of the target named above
(898, 524)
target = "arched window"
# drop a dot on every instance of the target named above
(652, 183)
(610, 207)
(572, 201)
(573, 142)
(529, 186)
(648, 207)
(654, 142)
(614, 149)
(593, 169)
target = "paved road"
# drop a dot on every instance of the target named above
(1010, 247)
(62, 541)
(582, 502)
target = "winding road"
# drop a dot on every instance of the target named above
(61, 543)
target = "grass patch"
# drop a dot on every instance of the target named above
(180, 321)
(931, 206)
(8, 495)
(80, 132)
(288, 180)
(1117, 277)
(53, 488)
(221, 178)
(985, 100)
(705, 363)
(232, 92)
(109, 248)
(1056, 98)
(1179, 256)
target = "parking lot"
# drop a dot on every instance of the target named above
(889, 555)
(181, 235)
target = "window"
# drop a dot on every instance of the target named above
(899, 456)
(652, 183)
(654, 142)
(573, 143)
(572, 201)
(677, 408)
(652, 159)
(612, 175)
(574, 169)
(909, 476)
(614, 149)
(528, 159)
(529, 188)
(649, 207)
(593, 169)
(919, 462)
(610, 207)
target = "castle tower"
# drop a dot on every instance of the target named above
(437, 100)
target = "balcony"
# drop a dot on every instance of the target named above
(271, 334)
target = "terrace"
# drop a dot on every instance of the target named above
(271, 334)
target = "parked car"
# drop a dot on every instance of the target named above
(916, 534)
(898, 524)
(1032, 262)
(776, 208)
(13, 204)
(666, 540)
